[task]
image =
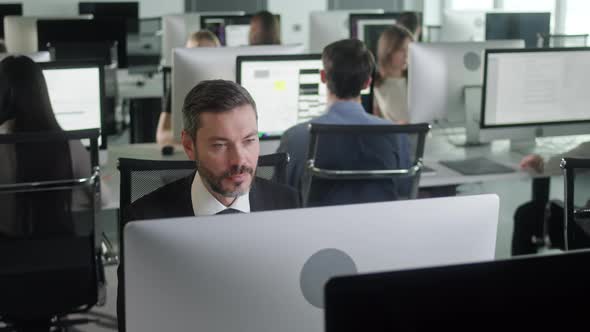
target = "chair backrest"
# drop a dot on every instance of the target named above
(576, 200)
(365, 162)
(48, 270)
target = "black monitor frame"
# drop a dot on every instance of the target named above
(517, 17)
(81, 30)
(9, 9)
(489, 52)
(86, 64)
(513, 294)
(243, 19)
(127, 10)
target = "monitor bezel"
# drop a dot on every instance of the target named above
(80, 65)
(489, 52)
(353, 18)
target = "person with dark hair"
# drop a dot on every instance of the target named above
(348, 66)
(391, 88)
(411, 21)
(25, 107)
(221, 135)
(264, 29)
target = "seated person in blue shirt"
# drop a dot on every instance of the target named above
(348, 66)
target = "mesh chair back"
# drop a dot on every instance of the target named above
(349, 164)
(577, 203)
(49, 251)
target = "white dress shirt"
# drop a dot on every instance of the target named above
(205, 204)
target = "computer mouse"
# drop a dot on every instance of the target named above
(167, 150)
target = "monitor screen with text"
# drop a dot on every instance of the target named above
(536, 87)
(287, 89)
(75, 95)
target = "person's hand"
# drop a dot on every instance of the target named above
(534, 162)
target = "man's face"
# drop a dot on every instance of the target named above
(226, 150)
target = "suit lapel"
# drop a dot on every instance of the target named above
(256, 201)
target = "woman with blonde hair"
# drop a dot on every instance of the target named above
(391, 101)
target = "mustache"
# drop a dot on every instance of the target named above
(238, 170)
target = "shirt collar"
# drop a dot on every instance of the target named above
(348, 107)
(205, 204)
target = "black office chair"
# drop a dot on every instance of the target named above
(371, 171)
(141, 177)
(577, 208)
(50, 264)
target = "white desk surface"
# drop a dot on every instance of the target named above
(438, 147)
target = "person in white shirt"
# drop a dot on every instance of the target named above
(391, 101)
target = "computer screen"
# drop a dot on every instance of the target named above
(526, 26)
(95, 30)
(76, 93)
(536, 87)
(9, 9)
(513, 294)
(231, 30)
(126, 10)
(368, 27)
(287, 89)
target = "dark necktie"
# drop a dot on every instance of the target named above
(229, 211)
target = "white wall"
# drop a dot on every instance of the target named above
(295, 15)
(147, 8)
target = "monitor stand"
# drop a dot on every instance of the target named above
(472, 100)
(103, 157)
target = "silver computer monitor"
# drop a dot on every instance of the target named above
(176, 29)
(287, 89)
(20, 32)
(329, 26)
(266, 271)
(440, 72)
(463, 25)
(76, 93)
(191, 66)
(535, 92)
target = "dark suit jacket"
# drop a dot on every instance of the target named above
(174, 200)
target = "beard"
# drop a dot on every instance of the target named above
(215, 182)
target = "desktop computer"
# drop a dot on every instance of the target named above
(529, 93)
(526, 26)
(329, 26)
(191, 66)
(176, 29)
(535, 293)
(266, 271)
(287, 89)
(79, 31)
(368, 27)
(9, 9)
(439, 74)
(231, 30)
(76, 92)
(463, 25)
(129, 11)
